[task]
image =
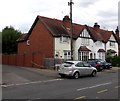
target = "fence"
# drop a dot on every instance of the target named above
(31, 60)
(27, 60)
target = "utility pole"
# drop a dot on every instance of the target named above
(71, 29)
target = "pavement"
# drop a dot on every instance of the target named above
(16, 75)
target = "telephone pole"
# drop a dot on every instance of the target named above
(71, 29)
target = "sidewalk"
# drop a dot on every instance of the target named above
(16, 75)
(47, 72)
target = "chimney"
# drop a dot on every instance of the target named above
(117, 31)
(66, 18)
(96, 27)
(66, 21)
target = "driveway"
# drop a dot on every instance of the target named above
(16, 74)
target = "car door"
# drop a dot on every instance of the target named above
(79, 66)
(87, 68)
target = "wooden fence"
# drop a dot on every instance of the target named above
(27, 60)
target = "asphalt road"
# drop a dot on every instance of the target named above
(33, 86)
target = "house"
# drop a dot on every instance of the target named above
(51, 37)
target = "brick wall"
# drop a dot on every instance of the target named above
(40, 40)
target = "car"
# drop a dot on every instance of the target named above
(76, 69)
(96, 63)
(104, 64)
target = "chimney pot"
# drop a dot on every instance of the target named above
(117, 31)
(66, 18)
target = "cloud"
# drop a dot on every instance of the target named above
(87, 3)
(22, 13)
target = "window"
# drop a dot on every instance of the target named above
(85, 41)
(112, 43)
(67, 55)
(85, 34)
(28, 42)
(64, 39)
(86, 64)
(67, 64)
(84, 56)
(101, 55)
(80, 64)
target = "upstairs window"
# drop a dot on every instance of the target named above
(28, 42)
(64, 39)
(85, 41)
(112, 44)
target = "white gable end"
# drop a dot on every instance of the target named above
(85, 33)
(112, 38)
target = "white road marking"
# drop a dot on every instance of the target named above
(35, 82)
(94, 86)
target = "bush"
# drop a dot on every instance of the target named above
(115, 60)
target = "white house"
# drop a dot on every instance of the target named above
(53, 39)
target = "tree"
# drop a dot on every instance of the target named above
(9, 37)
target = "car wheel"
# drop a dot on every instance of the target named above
(76, 75)
(94, 73)
(62, 76)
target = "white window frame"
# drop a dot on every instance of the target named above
(28, 42)
(101, 55)
(67, 54)
(64, 39)
(83, 55)
(112, 44)
(85, 41)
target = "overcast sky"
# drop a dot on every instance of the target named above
(21, 13)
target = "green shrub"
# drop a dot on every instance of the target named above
(115, 60)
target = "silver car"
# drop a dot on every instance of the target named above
(76, 69)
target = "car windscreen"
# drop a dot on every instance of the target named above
(67, 64)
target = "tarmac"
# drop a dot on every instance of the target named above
(43, 74)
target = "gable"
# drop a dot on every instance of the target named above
(112, 38)
(85, 34)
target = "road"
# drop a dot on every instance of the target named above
(103, 86)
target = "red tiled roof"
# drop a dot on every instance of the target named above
(54, 26)
(59, 27)
(83, 48)
(22, 37)
(94, 35)
(101, 50)
(105, 35)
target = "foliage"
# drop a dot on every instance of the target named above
(9, 37)
(115, 60)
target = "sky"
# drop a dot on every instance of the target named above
(21, 13)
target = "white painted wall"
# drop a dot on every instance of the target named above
(111, 47)
(61, 46)
(93, 46)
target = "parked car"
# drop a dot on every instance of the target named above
(105, 64)
(76, 69)
(96, 63)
